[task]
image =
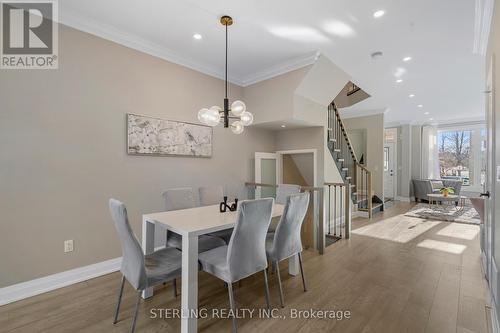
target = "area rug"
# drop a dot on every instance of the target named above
(447, 213)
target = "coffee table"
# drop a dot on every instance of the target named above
(434, 199)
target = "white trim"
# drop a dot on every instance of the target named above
(395, 147)
(282, 68)
(482, 25)
(363, 214)
(404, 199)
(19, 291)
(347, 113)
(106, 31)
(111, 33)
(45, 284)
(258, 169)
(495, 325)
(493, 291)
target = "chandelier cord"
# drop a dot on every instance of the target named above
(226, 64)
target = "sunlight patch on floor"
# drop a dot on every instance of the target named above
(400, 228)
(462, 231)
(442, 246)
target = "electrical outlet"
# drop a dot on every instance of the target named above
(68, 245)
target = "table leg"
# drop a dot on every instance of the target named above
(293, 265)
(189, 295)
(148, 246)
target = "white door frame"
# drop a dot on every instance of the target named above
(395, 169)
(489, 226)
(258, 171)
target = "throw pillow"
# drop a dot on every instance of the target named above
(437, 184)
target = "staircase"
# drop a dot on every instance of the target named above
(353, 173)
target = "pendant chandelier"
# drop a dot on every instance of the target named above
(237, 112)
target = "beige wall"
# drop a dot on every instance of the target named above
(374, 126)
(272, 100)
(62, 138)
(303, 138)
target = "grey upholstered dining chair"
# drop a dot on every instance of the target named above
(214, 195)
(286, 241)
(284, 190)
(245, 254)
(211, 195)
(141, 271)
(182, 198)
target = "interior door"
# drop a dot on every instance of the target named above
(491, 175)
(389, 170)
(266, 172)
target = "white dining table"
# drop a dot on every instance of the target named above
(190, 224)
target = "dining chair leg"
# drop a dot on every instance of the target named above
(119, 300)
(266, 283)
(232, 305)
(132, 328)
(174, 285)
(282, 302)
(302, 272)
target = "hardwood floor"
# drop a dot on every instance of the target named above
(396, 274)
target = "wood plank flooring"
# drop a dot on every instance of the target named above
(396, 274)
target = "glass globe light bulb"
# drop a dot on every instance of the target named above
(237, 127)
(212, 117)
(246, 118)
(202, 115)
(238, 107)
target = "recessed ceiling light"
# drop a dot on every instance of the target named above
(431, 119)
(378, 13)
(376, 55)
(411, 95)
(399, 80)
(339, 28)
(426, 113)
(420, 106)
(400, 71)
(197, 36)
(406, 59)
(283, 126)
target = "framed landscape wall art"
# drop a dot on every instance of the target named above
(161, 137)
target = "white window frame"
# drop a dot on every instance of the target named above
(475, 141)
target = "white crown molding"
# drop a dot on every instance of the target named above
(482, 25)
(71, 19)
(109, 32)
(45, 284)
(347, 113)
(282, 68)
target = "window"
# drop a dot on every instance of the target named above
(386, 158)
(462, 153)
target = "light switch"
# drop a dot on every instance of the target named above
(68, 245)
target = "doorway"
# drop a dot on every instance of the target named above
(266, 172)
(389, 170)
(291, 167)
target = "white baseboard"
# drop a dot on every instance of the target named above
(495, 326)
(493, 292)
(19, 291)
(42, 285)
(403, 199)
(357, 214)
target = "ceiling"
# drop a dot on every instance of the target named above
(271, 37)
